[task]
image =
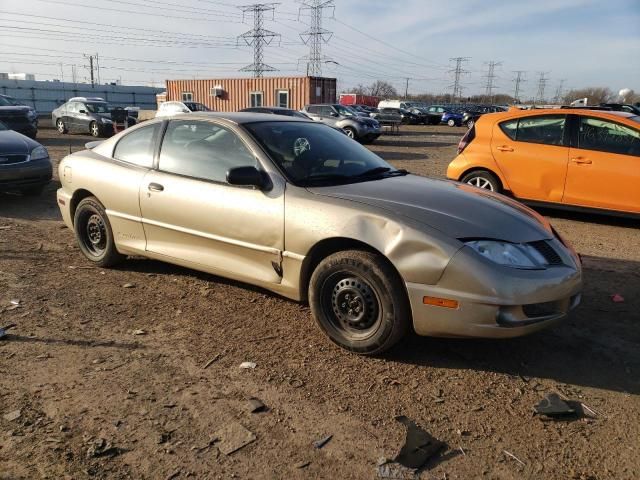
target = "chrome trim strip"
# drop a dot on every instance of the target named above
(293, 256)
(188, 231)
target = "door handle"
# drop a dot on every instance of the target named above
(504, 148)
(581, 161)
(155, 187)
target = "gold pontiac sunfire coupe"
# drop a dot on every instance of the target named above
(298, 208)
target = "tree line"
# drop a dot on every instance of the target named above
(595, 95)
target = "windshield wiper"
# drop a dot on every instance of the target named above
(380, 170)
(325, 177)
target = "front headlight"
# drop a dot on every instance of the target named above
(39, 153)
(31, 114)
(517, 255)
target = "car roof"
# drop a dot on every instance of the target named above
(561, 111)
(238, 118)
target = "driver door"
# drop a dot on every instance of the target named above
(191, 214)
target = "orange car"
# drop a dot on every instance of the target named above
(571, 157)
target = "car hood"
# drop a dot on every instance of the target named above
(15, 108)
(458, 210)
(14, 142)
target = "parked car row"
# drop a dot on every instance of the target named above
(90, 115)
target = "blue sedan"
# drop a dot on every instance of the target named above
(453, 119)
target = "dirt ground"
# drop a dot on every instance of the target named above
(107, 382)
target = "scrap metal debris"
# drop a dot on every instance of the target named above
(233, 437)
(322, 442)
(11, 416)
(3, 330)
(256, 405)
(553, 406)
(509, 454)
(212, 361)
(419, 445)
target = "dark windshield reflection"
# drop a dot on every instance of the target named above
(314, 154)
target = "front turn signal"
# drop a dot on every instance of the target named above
(440, 302)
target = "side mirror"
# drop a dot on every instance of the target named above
(247, 177)
(82, 111)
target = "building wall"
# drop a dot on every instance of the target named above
(47, 96)
(236, 91)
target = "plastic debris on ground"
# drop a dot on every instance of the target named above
(232, 438)
(247, 365)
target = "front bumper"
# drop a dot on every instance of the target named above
(27, 174)
(495, 301)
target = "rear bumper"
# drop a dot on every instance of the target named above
(494, 301)
(27, 174)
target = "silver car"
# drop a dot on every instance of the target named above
(298, 208)
(356, 126)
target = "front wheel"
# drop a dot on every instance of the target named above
(94, 234)
(351, 133)
(470, 124)
(483, 179)
(358, 300)
(94, 129)
(451, 123)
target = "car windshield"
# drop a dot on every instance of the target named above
(97, 107)
(312, 154)
(346, 111)
(8, 102)
(197, 107)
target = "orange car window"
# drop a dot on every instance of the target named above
(545, 129)
(606, 136)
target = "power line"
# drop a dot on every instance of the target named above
(491, 78)
(458, 72)
(316, 35)
(542, 85)
(519, 80)
(559, 91)
(258, 37)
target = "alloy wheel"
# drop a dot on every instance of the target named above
(481, 182)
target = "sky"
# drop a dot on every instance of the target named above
(575, 43)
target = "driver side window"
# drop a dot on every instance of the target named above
(202, 150)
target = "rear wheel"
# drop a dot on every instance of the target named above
(94, 234)
(483, 179)
(60, 126)
(358, 300)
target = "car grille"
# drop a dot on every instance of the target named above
(11, 159)
(548, 252)
(536, 310)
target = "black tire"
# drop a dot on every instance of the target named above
(61, 127)
(94, 129)
(483, 179)
(94, 235)
(358, 300)
(470, 123)
(351, 132)
(34, 191)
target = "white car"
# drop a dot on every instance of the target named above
(168, 109)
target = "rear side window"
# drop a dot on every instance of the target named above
(544, 129)
(137, 147)
(313, 109)
(606, 136)
(510, 128)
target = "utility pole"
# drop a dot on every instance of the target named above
(542, 85)
(258, 37)
(91, 69)
(97, 69)
(74, 77)
(315, 36)
(458, 72)
(491, 78)
(518, 81)
(559, 91)
(406, 90)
